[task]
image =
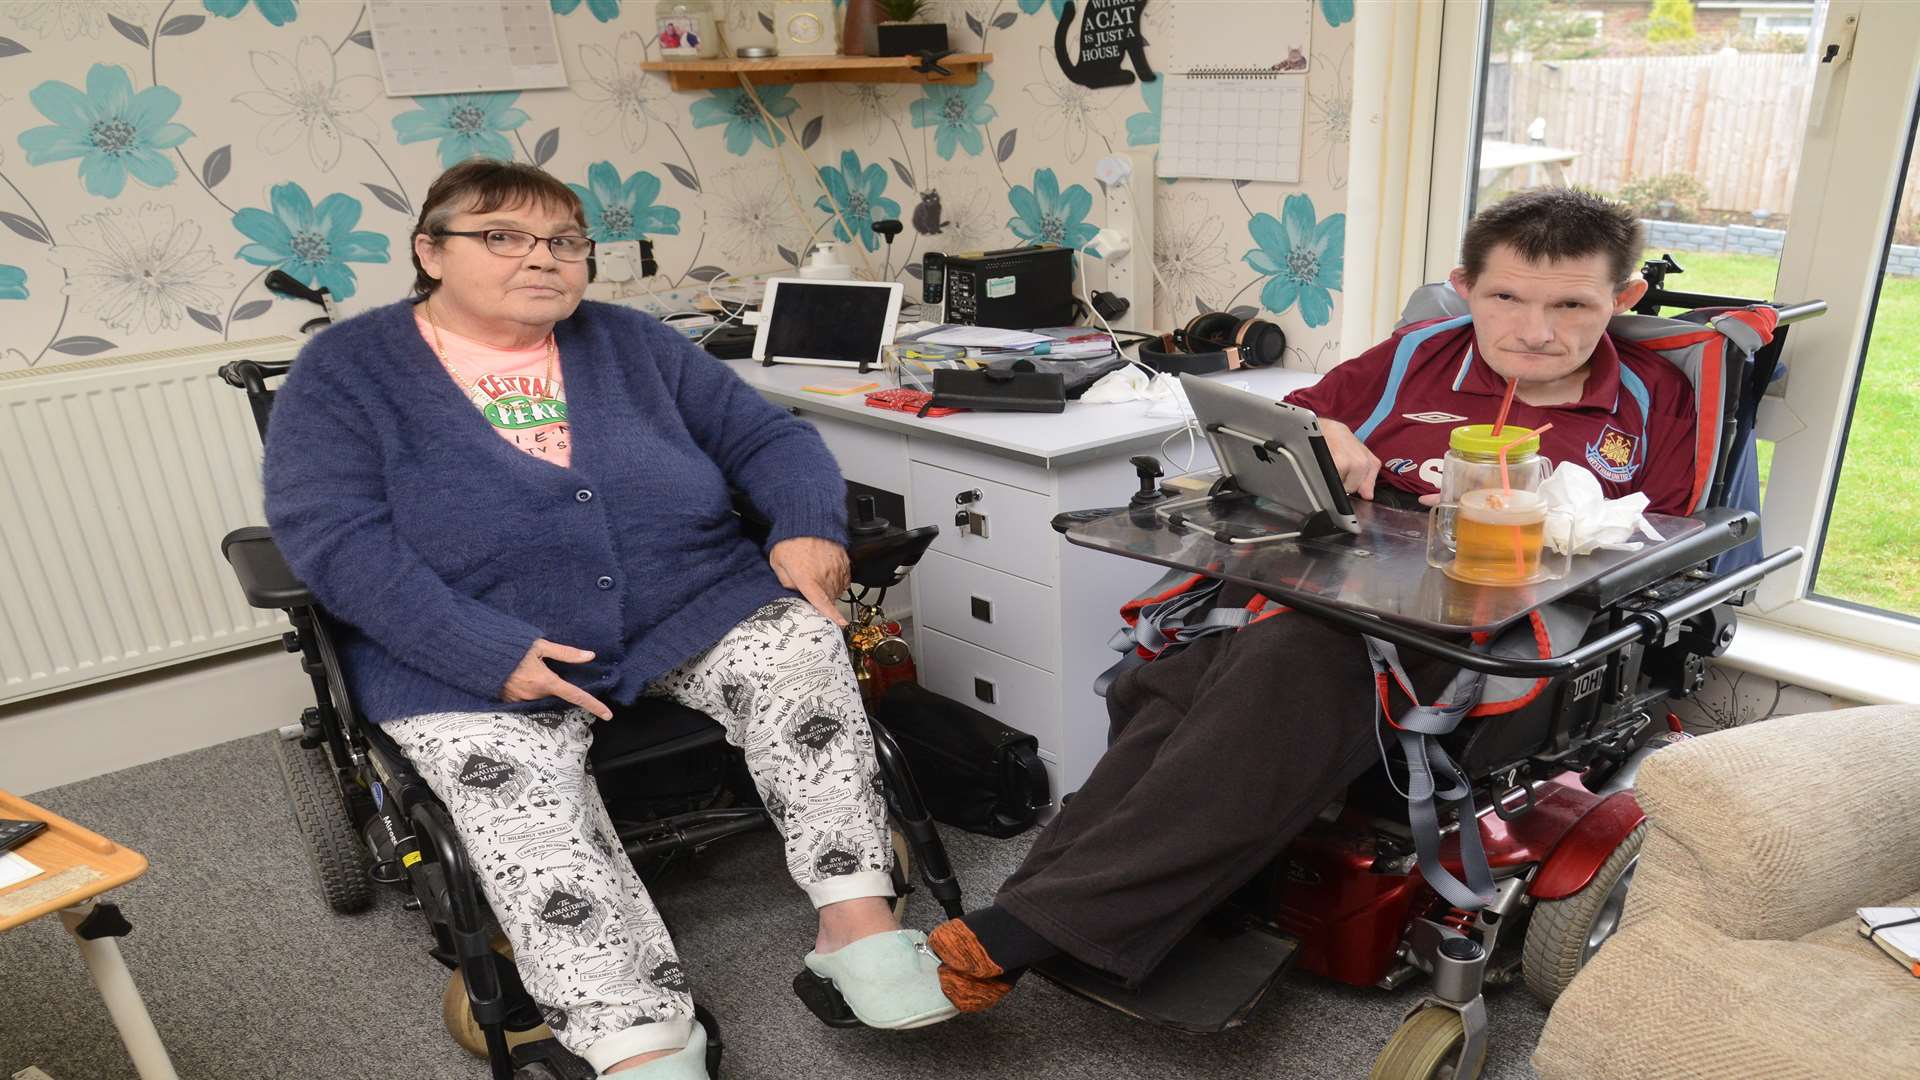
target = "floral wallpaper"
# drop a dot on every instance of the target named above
(159, 157)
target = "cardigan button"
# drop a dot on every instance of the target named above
(605, 582)
(583, 495)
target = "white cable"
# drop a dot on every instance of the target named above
(1080, 267)
(853, 240)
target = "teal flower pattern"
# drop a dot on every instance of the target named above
(1336, 12)
(1143, 128)
(467, 125)
(603, 10)
(743, 120)
(1031, 6)
(1043, 214)
(617, 211)
(1301, 259)
(111, 129)
(13, 283)
(277, 12)
(311, 243)
(955, 114)
(858, 194)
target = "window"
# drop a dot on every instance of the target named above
(1811, 191)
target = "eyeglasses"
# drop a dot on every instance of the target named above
(514, 244)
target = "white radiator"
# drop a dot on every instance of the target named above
(121, 476)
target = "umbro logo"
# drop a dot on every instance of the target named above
(1433, 417)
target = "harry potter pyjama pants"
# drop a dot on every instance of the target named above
(589, 944)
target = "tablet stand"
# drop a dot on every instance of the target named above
(1290, 475)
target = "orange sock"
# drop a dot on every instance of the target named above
(968, 976)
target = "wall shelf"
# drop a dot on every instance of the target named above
(720, 74)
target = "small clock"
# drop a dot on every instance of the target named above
(806, 28)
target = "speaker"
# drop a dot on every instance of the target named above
(1216, 341)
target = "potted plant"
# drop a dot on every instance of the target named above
(901, 32)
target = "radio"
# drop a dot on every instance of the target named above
(1011, 289)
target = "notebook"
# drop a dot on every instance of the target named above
(1895, 929)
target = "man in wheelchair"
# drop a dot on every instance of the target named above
(1205, 781)
(521, 506)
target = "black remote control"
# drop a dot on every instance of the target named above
(14, 833)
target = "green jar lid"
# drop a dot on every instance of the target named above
(1479, 439)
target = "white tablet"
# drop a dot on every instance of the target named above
(835, 323)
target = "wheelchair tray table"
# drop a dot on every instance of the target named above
(1382, 571)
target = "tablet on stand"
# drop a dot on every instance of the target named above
(828, 323)
(1268, 451)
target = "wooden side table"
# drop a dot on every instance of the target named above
(77, 866)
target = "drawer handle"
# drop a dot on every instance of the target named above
(982, 609)
(983, 689)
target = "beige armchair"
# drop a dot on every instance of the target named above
(1737, 956)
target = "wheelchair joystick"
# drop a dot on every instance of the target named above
(1147, 468)
(865, 521)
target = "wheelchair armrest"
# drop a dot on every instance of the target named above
(879, 559)
(1726, 528)
(265, 577)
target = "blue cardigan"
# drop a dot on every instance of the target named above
(448, 551)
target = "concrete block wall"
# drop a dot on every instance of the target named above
(1903, 260)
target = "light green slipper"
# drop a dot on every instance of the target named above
(688, 1063)
(890, 981)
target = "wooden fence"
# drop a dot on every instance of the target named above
(1733, 121)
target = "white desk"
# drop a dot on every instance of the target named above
(1014, 623)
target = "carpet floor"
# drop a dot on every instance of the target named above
(249, 977)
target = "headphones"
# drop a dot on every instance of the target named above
(1215, 341)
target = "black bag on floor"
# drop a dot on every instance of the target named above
(975, 772)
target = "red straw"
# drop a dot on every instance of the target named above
(1505, 404)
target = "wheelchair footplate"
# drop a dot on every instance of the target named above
(823, 999)
(1211, 981)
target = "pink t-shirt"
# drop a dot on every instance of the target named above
(510, 389)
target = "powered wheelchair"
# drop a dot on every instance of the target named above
(1370, 893)
(671, 783)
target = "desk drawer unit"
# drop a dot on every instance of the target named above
(1014, 536)
(1016, 694)
(1008, 614)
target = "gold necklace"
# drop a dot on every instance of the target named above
(426, 306)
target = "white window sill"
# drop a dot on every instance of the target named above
(1842, 669)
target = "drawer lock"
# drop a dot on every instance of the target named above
(971, 522)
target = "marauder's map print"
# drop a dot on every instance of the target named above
(589, 945)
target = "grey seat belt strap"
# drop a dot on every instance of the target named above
(1433, 779)
(1163, 625)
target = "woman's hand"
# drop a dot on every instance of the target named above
(532, 679)
(1357, 465)
(817, 569)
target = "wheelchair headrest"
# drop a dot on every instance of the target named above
(1710, 346)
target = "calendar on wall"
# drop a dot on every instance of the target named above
(1235, 103)
(465, 46)
(1233, 125)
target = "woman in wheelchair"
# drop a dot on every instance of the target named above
(520, 505)
(1203, 784)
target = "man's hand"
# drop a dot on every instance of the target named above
(816, 569)
(532, 679)
(1357, 465)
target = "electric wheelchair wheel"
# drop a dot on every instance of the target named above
(1426, 1047)
(334, 849)
(1564, 934)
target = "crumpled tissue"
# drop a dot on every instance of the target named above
(1129, 383)
(1576, 505)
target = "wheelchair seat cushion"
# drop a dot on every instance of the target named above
(649, 728)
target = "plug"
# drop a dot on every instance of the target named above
(1109, 245)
